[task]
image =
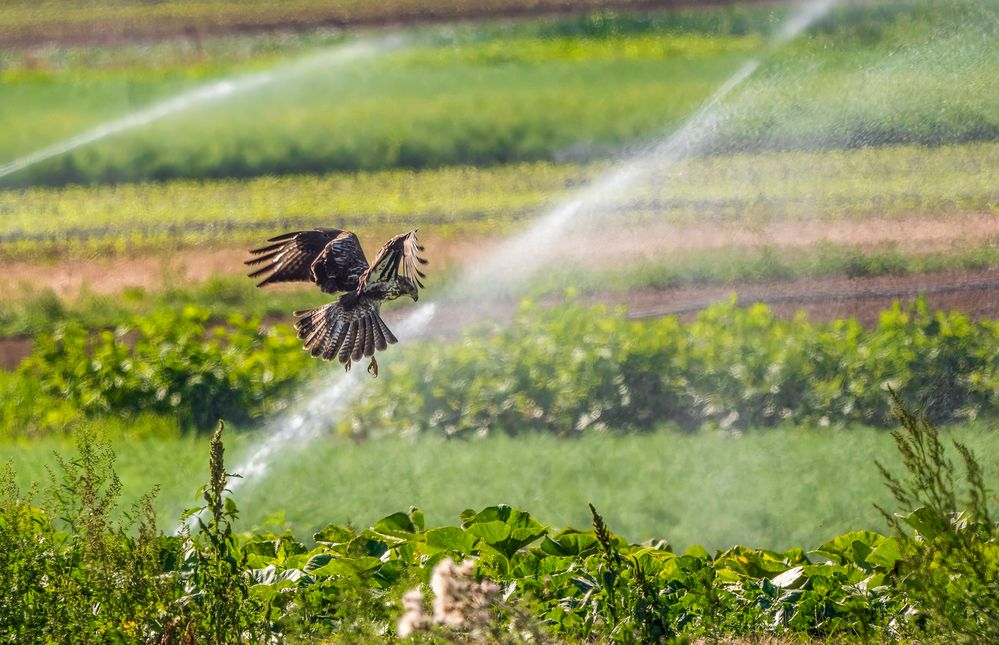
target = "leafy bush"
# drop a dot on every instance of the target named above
(68, 569)
(172, 362)
(564, 370)
(569, 369)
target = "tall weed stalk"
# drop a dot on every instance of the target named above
(950, 541)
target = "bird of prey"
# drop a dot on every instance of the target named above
(349, 327)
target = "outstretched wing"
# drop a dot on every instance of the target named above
(341, 264)
(398, 256)
(330, 257)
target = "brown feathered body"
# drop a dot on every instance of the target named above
(350, 327)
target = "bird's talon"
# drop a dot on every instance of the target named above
(373, 367)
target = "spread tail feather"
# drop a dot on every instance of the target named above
(331, 330)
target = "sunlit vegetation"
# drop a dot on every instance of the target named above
(29, 311)
(469, 101)
(578, 371)
(663, 441)
(888, 182)
(569, 371)
(127, 581)
(27, 22)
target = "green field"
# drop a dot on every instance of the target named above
(892, 182)
(867, 146)
(689, 489)
(490, 95)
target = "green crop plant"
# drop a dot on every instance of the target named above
(583, 370)
(172, 362)
(895, 183)
(84, 574)
(580, 370)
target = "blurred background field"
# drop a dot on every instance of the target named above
(858, 162)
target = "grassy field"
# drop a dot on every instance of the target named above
(770, 489)
(489, 95)
(26, 23)
(477, 112)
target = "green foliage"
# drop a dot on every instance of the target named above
(950, 543)
(172, 362)
(217, 606)
(569, 370)
(93, 577)
(68, 569)
(579, 370)
(26, 23)
(741, 190)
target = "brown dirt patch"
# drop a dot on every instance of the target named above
(973, 292)
(915, 235)
(609, 246)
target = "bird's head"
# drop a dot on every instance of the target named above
(410, 289)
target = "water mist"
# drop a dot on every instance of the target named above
(223, 89)
(524, 251)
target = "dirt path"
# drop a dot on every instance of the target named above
(609, 247)
(973, 292)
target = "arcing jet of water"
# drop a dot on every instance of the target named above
(216, 91)
(517, 257)
(525, 251)
(308, 420)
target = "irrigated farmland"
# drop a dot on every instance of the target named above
(713, 292)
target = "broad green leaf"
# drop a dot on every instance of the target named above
(395, 524)
(885, 555)
(491, 532)
(333, 534)
(928, 523)
(367, 544)
(416, 517)
(697, 551)
(317, 561)
(346, 567)
(450, 538)
(790, 579)
(570, 542)
(270, 575)
(850, 548)
(389, 573)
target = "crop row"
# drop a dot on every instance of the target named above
(569, 370)
(30, 310)
(742, 188)
(565, 370)
(518, 581)
(487, 96)
(171, 362)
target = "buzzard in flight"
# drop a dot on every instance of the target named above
(349, 327)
